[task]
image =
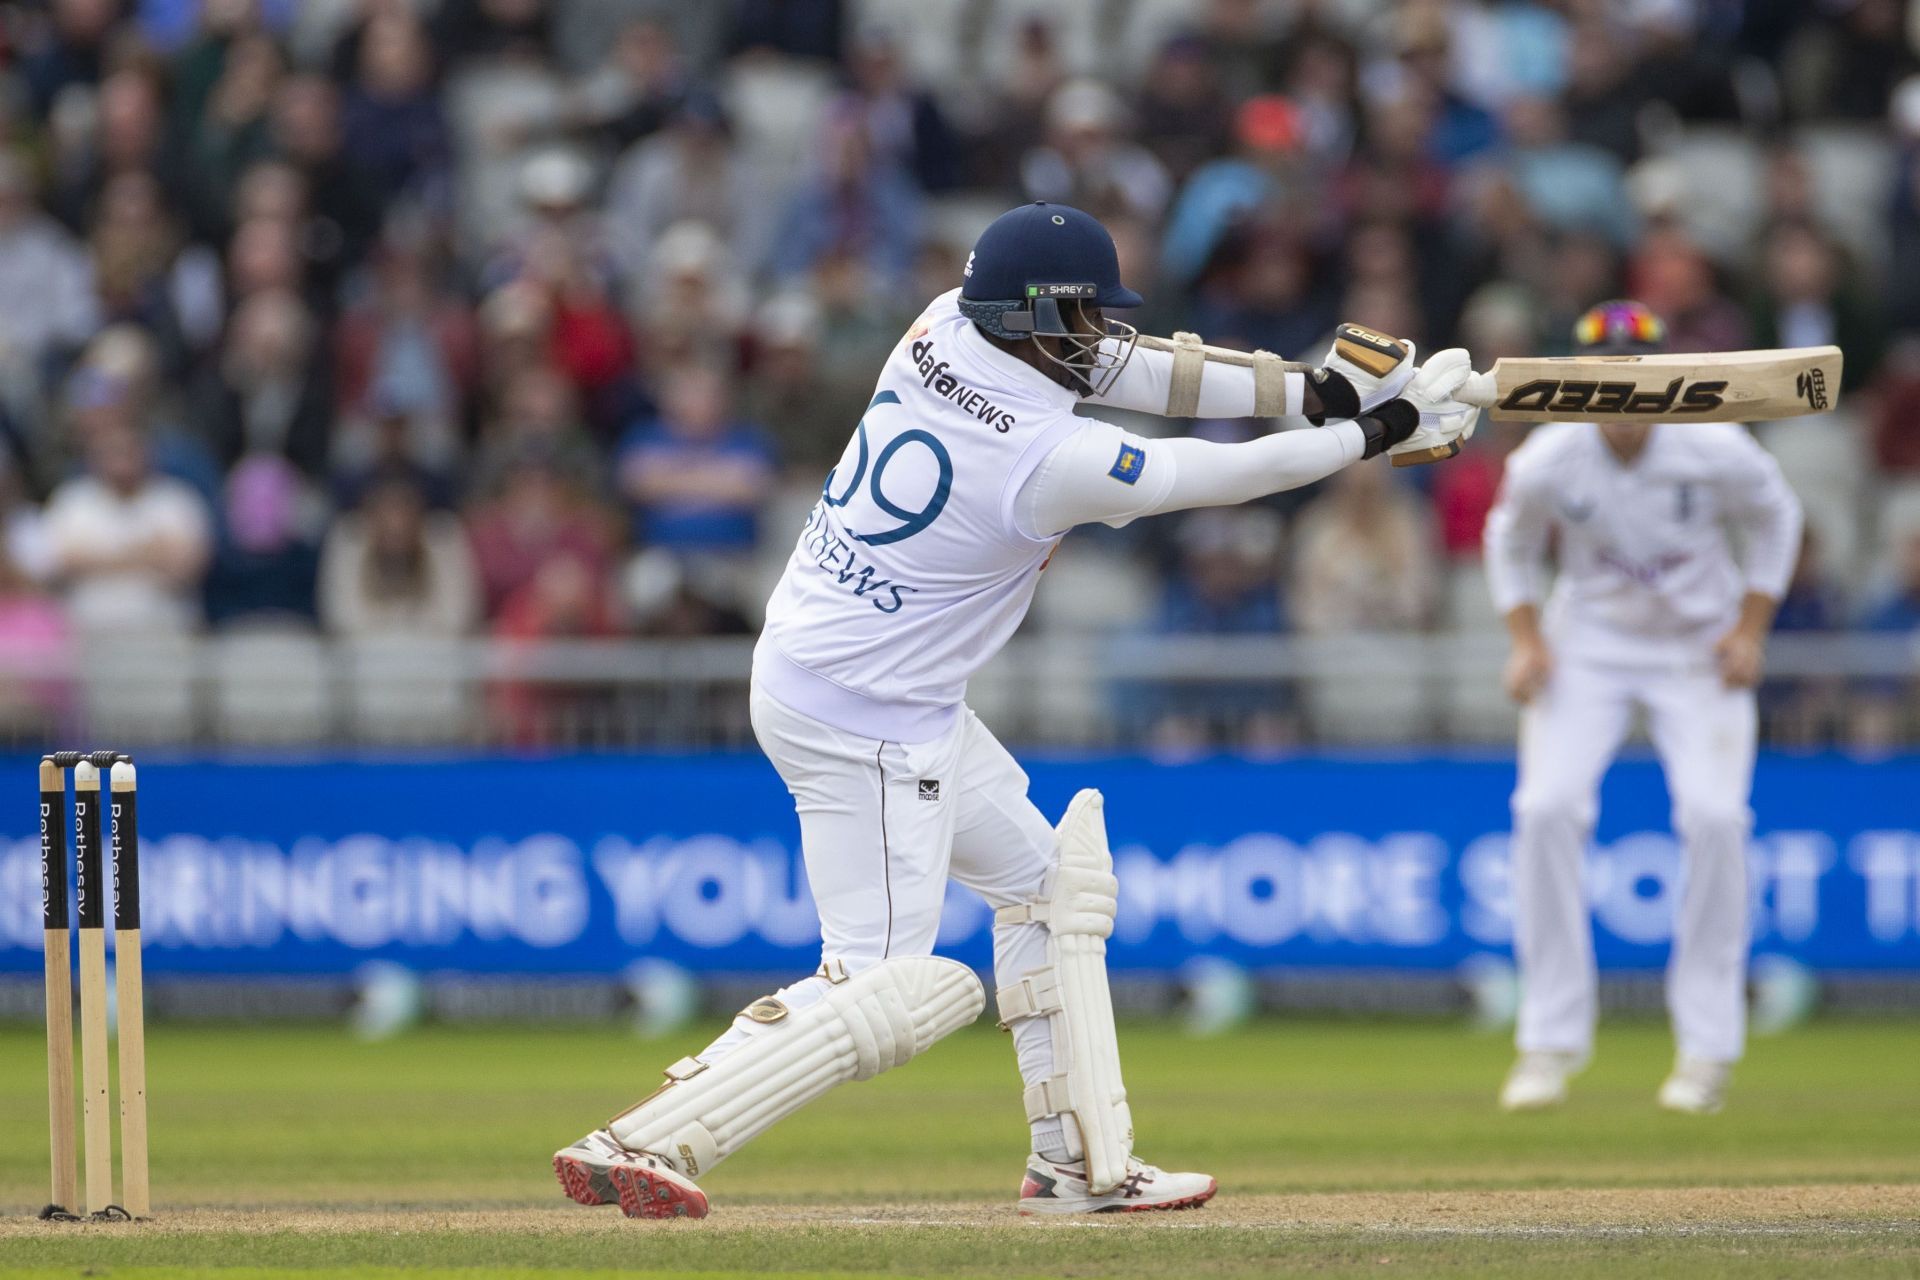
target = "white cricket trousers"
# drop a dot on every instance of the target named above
(884, 825)
(1704, 735)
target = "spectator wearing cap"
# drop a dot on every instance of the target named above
(1090, 160)
(130, 547)
(268, 560)
(395, 567)
(564, 253)
(694, 302)
(696, 477)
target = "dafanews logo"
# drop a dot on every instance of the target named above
(1569, 395)
(934, 376)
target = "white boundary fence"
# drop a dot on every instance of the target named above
(293, 689)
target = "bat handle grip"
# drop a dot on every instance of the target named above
(1477, 390)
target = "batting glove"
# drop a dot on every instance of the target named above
(1363, 370)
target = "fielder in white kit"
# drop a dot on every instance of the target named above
(1652, 611)
(914, 568)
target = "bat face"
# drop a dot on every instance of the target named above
(1731, 386)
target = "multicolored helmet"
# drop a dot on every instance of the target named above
(1619, 328)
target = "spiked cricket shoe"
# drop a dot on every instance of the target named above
(1062, 1188)
(598, 1170)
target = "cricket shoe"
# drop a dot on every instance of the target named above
(1062, 1188)
(1697, 1087)
(598, 1170)
(1539, 1080)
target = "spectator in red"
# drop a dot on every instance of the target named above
(406, 318)
(538, 516)
(1896, 408)
(565, 599)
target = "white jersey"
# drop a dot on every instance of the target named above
(1648, 572)
(911, 571)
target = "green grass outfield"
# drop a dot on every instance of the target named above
(1342, 1148)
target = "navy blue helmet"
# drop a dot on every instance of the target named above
(1029, 262)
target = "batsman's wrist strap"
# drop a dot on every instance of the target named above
(1388, 425)
(1276, 391)
(1338, 398)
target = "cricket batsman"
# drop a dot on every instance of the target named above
(1653, 612)
(918, 562)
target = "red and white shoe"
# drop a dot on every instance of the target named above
(1062, 1188)
(598, 1170)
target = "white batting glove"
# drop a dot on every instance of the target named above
(1444, 420)
(1363, 371)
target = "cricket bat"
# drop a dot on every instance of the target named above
(1718, 386)
(1724, 386)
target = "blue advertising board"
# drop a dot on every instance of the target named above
(582, 865)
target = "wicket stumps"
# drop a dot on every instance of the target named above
(90, 919)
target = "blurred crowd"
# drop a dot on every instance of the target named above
(541, 318)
